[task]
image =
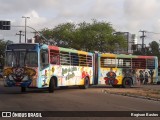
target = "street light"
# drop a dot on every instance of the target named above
(25, 26)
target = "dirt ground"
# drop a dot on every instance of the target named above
(143, 91)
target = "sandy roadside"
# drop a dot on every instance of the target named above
(151, 92)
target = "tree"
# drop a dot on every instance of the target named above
(95, 36)
(154, 48)
(151, 50)
(154, 52)
(2, 51)
(61, 35)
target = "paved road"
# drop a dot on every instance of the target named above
(72, 99)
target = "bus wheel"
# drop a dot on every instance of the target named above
(86, 83)
(23, 89)
(116, 86)
(51, 85)
(127, 83)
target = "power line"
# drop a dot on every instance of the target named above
(152, 32)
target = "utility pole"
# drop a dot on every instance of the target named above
(20, 34)
(45, 40)
(142, 37)
(25, 26)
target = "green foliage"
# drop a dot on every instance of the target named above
(61, 35)
(2, 50)
(95, 36)
(154, 47)
(152, 50)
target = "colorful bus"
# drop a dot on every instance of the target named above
(44, 66)
(125, 70)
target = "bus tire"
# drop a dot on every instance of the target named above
(127, 83)
(23, 89)
(86, 83)
(51, 85)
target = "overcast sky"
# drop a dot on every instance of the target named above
(124, 15)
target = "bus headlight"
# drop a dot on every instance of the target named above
(4, 77)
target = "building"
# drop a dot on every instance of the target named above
(131, 39)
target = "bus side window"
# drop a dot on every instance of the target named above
(54, 57)
(127, 62)
(74, 59)
(82, 60)
(150, 63)
(44, 59)
(108, 62)
(53, 60)
(65, 58)
(89, 61)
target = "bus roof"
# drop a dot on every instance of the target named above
(126, 56)
(69, 50)
(108, 55)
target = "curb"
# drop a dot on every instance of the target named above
(130, 95)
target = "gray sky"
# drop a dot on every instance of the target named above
(124, 15)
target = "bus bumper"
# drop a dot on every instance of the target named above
(11, 83)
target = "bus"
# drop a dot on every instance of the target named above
(34, 65)
(120, 70)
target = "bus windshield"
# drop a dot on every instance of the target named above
(21, 59)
